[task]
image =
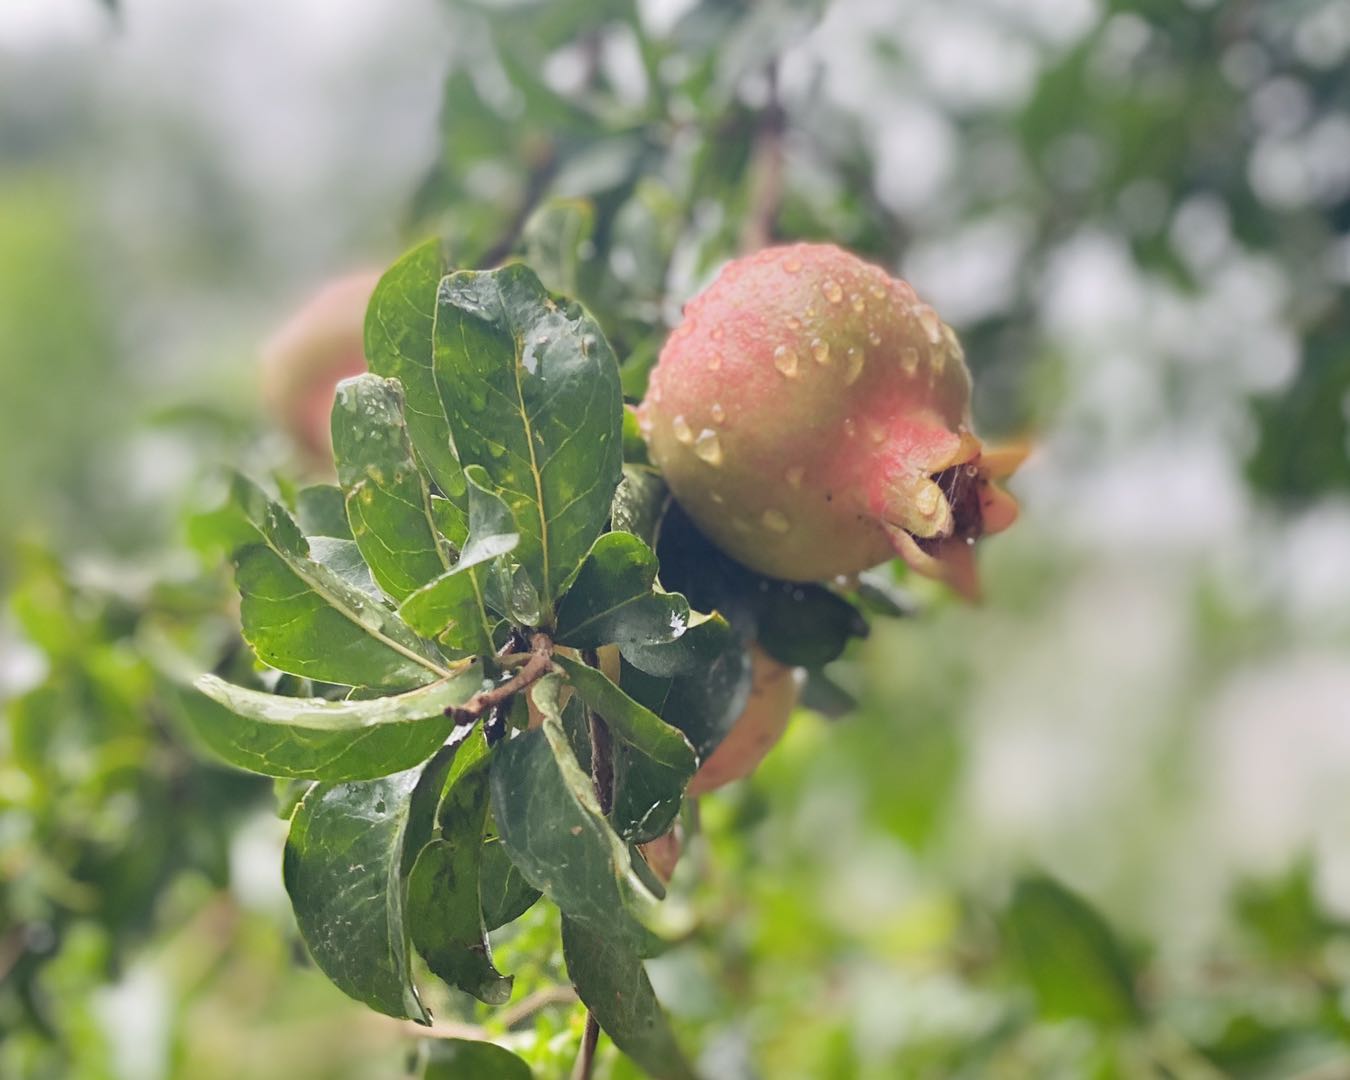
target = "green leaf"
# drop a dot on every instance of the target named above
(613, 985)
(320, 511)
(639, 503)
(344, 872)
(445, 913)
(315, 739)
(531, 391)
(464, 1059)
(556, 236)
(1073, 961)
(454, 606)
(304, 618)
(553, 829)
(387, 500)
(343, 557)
(503, 890)
(399, 332)
(698, 683)
(629, 720)
(613, 599)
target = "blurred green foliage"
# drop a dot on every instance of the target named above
(839, 934)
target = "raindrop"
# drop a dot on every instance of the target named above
(876, 432)
(714, 362)
(775, 521)
(850, 427)
(853, 365)
(792, 265)
(793, 323)
(879, 291)
(718, 413)
(795, 476)
(932, 325)
(833, 293)
(859, 304)
(716, 496)
(682, 430)
(909, 360)
(707, 447)
(785, 360)
(874, 338)
(821, 351)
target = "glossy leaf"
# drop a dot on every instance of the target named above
(304, 618)
(315, 739)
(445, 914)
(387, 500)
(627, 719)
(343, 870)
(531, 390)
(454, 607)
(639, 502)
(555, 237)
(613, 985)
(614, 599)
(553, 829)
(320, 511)
(399, 331)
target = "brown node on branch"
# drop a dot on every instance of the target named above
(538, 664)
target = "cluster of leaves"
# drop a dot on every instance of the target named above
(485, 544)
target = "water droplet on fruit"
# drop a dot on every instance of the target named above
(859, 304)
(850, 427)
(707, 447)
(792, 265)
(718, 333)
(820, 350)
(876, 432)
(853, 365)
(878, 290)
(795, 476)
(775, 521)
(785, 360)
(793, 323)
(716, 496)
(714, 362)
(874, 338)
(718, 413)
(932, 325)
(683, 432)
(909, 360)
(833, 292)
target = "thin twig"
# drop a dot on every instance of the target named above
(540, 999)
(589, 1041)
(535, 668)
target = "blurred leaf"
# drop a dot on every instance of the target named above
(531, 390)
(315, 739)
(612, 984)
(557, 236)
(1071, 957)
(613, 599)
(386, 498)
(462, 1059)
(399, 330)
(553, 829)
(445, 915)
(320, 511)
(344, 873)
(302, 617)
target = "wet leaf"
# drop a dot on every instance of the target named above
(465, 1059)
(315, 739)
(614, 599)
(531, 390)
(386, 498)
(503, 890)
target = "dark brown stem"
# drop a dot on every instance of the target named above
(766, 171)
(535, 668)
(589, 1041)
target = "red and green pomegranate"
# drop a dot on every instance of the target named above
(812, 415)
